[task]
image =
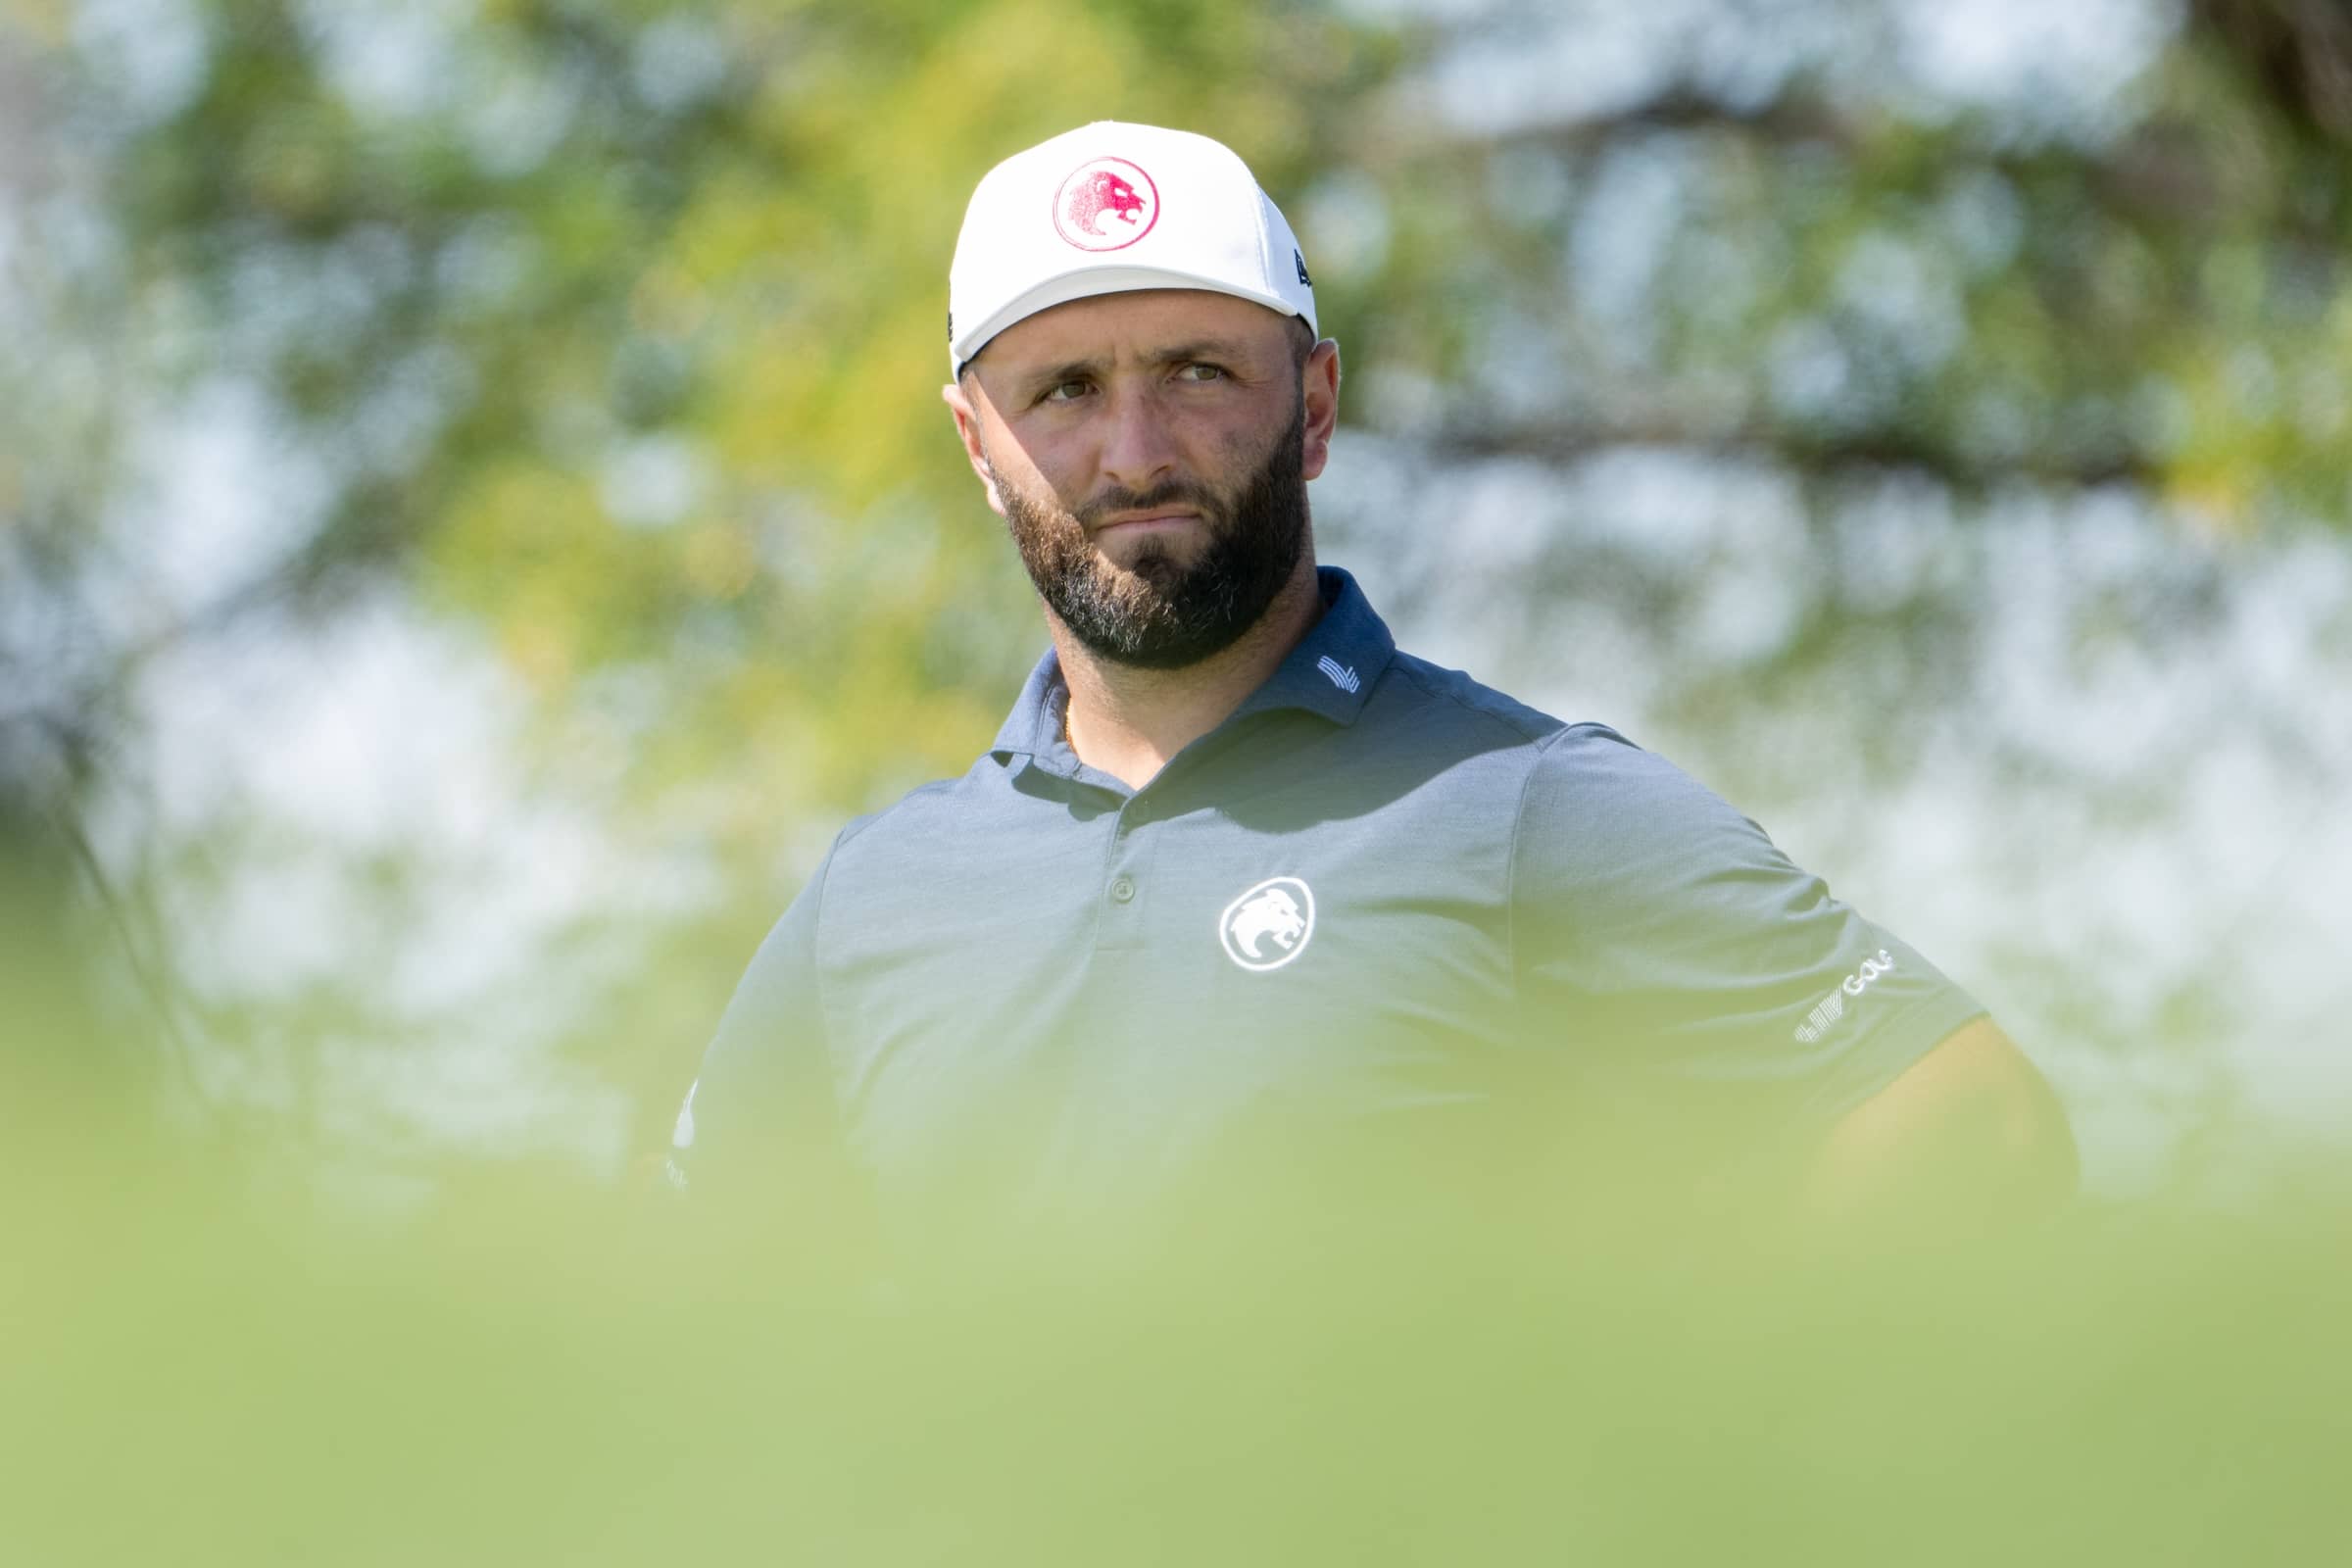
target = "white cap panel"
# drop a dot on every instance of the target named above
(1110, 208)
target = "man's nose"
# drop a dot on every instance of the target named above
(1137, 450)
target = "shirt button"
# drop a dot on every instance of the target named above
(1122, 889)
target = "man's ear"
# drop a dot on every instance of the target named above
(1319, 385)
(968, 429)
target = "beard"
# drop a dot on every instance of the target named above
(1161, 612)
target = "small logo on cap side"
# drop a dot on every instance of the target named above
(1106, 205)
(1300, 262)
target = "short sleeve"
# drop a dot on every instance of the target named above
(1665, 940)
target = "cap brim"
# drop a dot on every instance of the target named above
(1086, 283)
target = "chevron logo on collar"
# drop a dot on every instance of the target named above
(1342, 675)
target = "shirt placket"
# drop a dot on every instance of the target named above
(1128, 886)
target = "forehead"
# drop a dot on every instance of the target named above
(1137, 323)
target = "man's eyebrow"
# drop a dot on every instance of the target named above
(1185, 353)
(1055, 375)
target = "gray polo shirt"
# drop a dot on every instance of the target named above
(1380, 906)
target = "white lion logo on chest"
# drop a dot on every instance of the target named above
(1269, 924)
(1272, 913)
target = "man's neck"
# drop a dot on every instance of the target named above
(1128, 722)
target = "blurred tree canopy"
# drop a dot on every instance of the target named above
(615, 329)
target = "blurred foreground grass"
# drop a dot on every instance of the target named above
(205, 1360)
(201, 1372)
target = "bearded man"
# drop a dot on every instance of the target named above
(1243, 893)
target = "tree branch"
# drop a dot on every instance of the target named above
(1808, 451)
(2298, 52)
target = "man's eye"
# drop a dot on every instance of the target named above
(1065, 392)
(1201, 371)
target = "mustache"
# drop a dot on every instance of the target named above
(1173, 492)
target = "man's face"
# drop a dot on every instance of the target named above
(1150, 452)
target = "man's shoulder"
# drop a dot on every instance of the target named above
(917, 816)
(1584, 784)
(1599, 809)
(1431, 711)
(1443, 695)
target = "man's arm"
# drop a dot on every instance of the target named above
(1799, 1056)
(1969, 1140)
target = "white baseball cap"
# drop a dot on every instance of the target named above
(1112, 207)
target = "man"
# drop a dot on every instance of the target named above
(1242, 893)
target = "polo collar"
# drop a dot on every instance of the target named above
(1331, 672)
(1034, 726)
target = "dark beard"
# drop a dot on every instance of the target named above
(1163, 613)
